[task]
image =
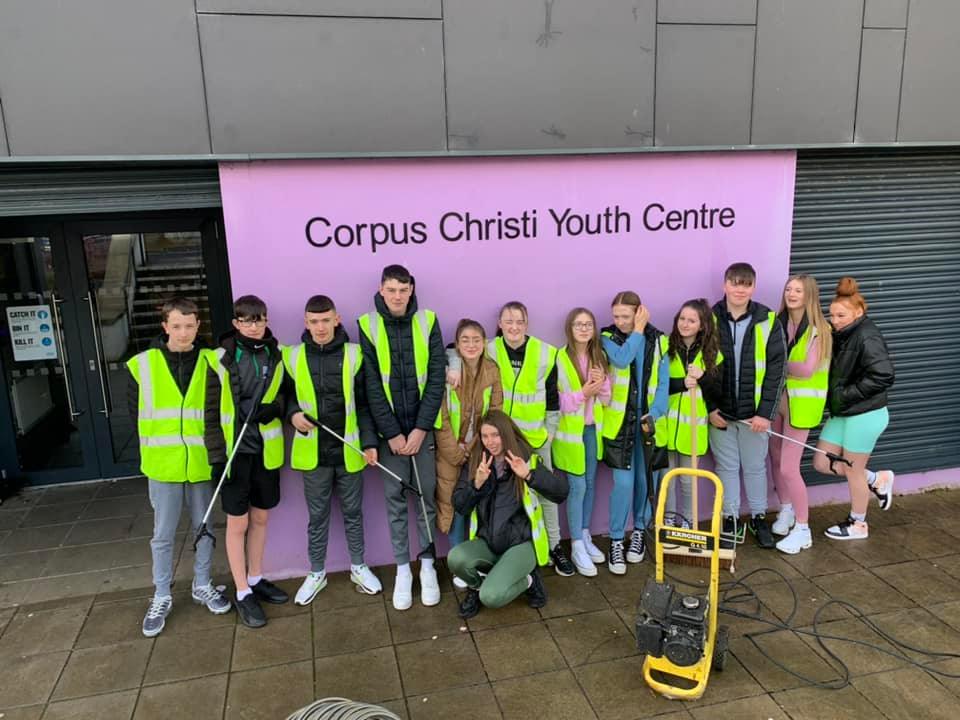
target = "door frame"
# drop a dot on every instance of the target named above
(66, 237)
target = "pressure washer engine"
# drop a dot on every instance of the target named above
(672, 624)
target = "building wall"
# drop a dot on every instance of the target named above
(200, 77)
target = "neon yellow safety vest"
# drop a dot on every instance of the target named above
(453, 408)
(806, 397)
(170, 424)
(659, 352)
(678, 411)
(761, 332)
(534, 511)
(374, 328)
(616, 410)
(271, 432)
(304, 454)
(569, 452)
(525, 392)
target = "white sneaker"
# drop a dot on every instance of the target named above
(581, 560)
(429, 586)
(592, 550)
(785, 521)
(637, 547)
(403, 592)
(617, 564)
(365, 580)
(884, 490)
(459, 584)
(798, 539)
(312, 584)
(849, 529)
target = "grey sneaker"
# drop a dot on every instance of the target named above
(156, 616)
(210, 596)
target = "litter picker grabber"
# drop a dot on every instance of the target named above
(204, 531)
(832, 457)
(418, 490)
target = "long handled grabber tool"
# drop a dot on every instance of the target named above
(418, 490)
(204, 531)
(832, 457)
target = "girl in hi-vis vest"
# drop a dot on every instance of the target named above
(478, 392)
(694, 355)
(583, 379)
(809, 344)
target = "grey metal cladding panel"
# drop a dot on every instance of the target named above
(550, 74)
(805, 87)
(284, 84)
(102, 77)
(713, 12)
(930, 101)
(885, 14)
(324, 8)
(878, 100)
(704, 84)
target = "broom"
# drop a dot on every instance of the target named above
(683, 554)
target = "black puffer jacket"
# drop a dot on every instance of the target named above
(325, 363)
(861, 370)
(409, 409)
(743, 406)
(501, 519)
(245, 383)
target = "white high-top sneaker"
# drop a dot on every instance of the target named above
(785, 521)
(798, 539)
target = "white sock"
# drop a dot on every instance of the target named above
(786, 507)
(426, 563)
(801, 526)
(862, 517)
(253, 579)
(529, 580)
(241, 594)
(871, 477)
(355, 568)
(403, 571)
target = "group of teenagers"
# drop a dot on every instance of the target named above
(493, 435)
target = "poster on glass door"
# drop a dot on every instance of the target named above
(31, 333)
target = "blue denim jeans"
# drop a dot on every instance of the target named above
(630, 487)
(580, 499)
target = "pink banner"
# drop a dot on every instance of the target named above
(552, 232)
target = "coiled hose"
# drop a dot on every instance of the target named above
(335, 708)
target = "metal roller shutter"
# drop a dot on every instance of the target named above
(30, 191)
(891, 219)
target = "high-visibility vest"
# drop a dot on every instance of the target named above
(679, 411)
(806, 397)
(616, 410)
(375, 329)
(271, 432)
(525, 392)
(569, 452)
(454, 411)
(170, 424)
(761, 332)
(659, 352)
(304, 454)
(534, 511)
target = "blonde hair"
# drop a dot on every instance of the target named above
(814, 314)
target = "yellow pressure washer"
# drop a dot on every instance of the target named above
(678, 632)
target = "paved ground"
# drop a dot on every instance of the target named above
(74, 579)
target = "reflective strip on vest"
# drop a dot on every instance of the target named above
(524, 392)
(453, 408)
(534, 512)
(660, 426)
(680, 415)
(568, 449)
(170, 423)
(421, 325)
(762, 334)
(305, 453)
(807, 397)
(615, 411)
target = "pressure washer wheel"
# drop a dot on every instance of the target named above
(720, 645)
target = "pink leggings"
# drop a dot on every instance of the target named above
(785, 456)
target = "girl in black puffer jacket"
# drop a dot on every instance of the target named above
(861, 371)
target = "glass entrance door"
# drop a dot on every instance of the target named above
(77, 303)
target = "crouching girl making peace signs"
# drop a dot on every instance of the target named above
(508, 540)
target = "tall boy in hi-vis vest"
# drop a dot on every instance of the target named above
(167, 398)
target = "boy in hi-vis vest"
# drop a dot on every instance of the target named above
(327, 373)
(247, 368)
(166, 396)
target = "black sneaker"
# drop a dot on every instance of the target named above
(268, 592)
(536, 593)
(728, 533)
(638, 546)
(250, 612)
(561, 563)
(470, 605)
(761, 530)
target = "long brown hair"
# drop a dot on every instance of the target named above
(707, 337)
(596, 357)
(511, 440)
(814, 314)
